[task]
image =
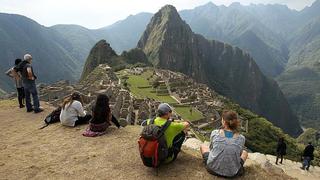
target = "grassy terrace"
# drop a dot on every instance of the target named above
(139, 86)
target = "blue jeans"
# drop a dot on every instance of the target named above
(306, 162)
(31, 89)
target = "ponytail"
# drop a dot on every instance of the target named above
(231, 120)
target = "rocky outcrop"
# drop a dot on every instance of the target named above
(101, 53)
(170, 43)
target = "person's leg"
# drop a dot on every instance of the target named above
(244, 155)
(20, 96)
(204, 149)
(23, 95)
(115, 121)
(36, 104)
(28, 99)
(304, 163)
(177, 143)
(205, 153)
(308, 164)
(281, 158)
(277, 159)
(83, 120)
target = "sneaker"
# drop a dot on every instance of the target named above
(21, 106)
(38, 110)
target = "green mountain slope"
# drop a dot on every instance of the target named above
(170, 44)
(20, 35)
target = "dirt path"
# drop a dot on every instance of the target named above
(58, 152)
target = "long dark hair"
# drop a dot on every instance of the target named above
(101, 110)
(73, 97)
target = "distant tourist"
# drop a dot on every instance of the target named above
(13, 73)
(226, 156)
(29, 84)
(307, 156)
(101, 117)
(281, 149)
(72, 113)
(167, 149)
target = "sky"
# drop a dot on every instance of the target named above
(99, 13)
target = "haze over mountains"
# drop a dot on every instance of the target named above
(284, 43)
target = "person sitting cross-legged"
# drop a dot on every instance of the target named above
(175, 134)
(101, 117)
(226, 155)
(72, 112)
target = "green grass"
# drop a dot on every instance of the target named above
(185, 111)
(138, 85)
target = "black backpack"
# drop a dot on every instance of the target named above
(153, 145)
(20, 66)
(53, 117)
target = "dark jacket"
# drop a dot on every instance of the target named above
(308, 151)
(282, 148)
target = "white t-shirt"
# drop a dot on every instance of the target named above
(69, 114)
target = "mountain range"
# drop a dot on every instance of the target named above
(284, 43)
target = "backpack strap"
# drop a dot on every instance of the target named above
(164, 128)
(152, 120)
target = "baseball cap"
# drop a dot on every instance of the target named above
(164, 108)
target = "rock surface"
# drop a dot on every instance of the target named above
(267, 162)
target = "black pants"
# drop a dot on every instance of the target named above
(176, 145)
(21, 96)
(83, 120)
(281, 158)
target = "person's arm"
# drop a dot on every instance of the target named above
(115, 121)
(9, 73)
(30, 74)
(78, 106)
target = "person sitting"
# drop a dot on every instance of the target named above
(72, 112)
(226, 155)
(101, 117)
(175, 134)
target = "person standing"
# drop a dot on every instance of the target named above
(16, 76)
(281, 150)
(307, 156)
(29, 84)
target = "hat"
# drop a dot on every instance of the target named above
(27, 57)
(164, 108)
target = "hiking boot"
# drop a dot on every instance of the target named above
(21, 106)
(38, 110)
(29, 110)
(302, 168)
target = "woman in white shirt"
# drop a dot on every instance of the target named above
(72, 112)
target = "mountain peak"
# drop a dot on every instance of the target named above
(101, 53)
(165, 24)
